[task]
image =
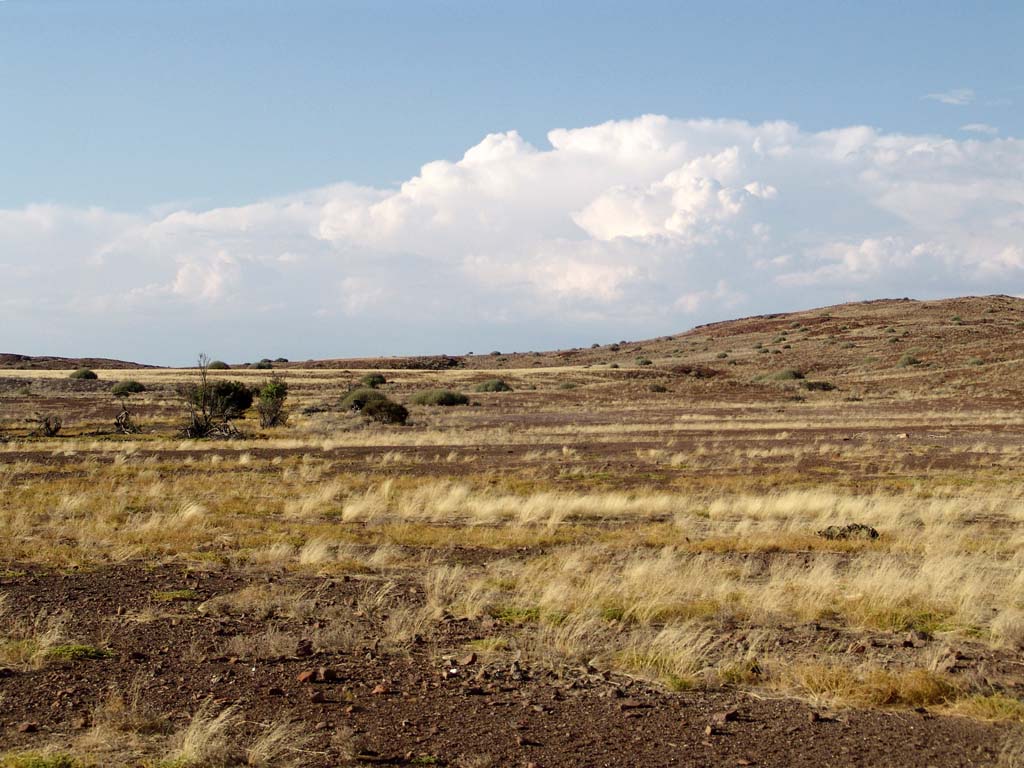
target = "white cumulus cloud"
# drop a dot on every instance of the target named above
(624, 229)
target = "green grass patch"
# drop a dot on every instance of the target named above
(40, 760)
(76, 652)
(176, 595)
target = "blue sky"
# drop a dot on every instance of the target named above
(129, 104)
(119, 120)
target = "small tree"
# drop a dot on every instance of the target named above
(272, 394)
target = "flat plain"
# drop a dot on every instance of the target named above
(638, 554)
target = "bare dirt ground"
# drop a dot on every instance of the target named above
(616, 563)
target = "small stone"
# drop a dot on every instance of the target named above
(306, 675)
(28, 727)
(465, 661)
(275, 692)
(304, 648)
(627, 704)
(813, 717)
(325, 675)
(709, 731)
(379, 690)
(317, 697)
(856, 647)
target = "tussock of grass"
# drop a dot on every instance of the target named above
(873, 687)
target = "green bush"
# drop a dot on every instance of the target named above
(218, 365)
(788, 374)
(722, 355)
(128, 387)
(272, 394)
(906, 361)
(492, 385)
(818, 386)
(643, 361)
(439, 397)
(83, 373)
(386, 412)
(373, 380)
(263, 365)
(358, 399)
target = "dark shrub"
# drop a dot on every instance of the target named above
(230, 399)
(83, 373)
(280, 359)
(658, 388)
(373, 380)
(358, 399)
(439, 397)
(272, 394)
(492, 385)
(263, 365)
(818, 386)
(643, 361)
(129, 387)
(219, 365)
(386, 412)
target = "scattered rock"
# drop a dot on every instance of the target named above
(306, 675)
(380, 690)
(317, 697)
(304, 648)
(813, 717)
(275, 691)
(465, 661)
(849, 531)
(28, 727)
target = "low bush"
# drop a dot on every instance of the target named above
(128, 387)
(263, 365)
(907, 361)
(788, 374)
(272, 394)
(373, 380)
(818, 386)
(386, 412)
(83, 373)
(493, 385)
(218, 365)
(657, 388)
(643, 361)
(439, 397)
(358, 399)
